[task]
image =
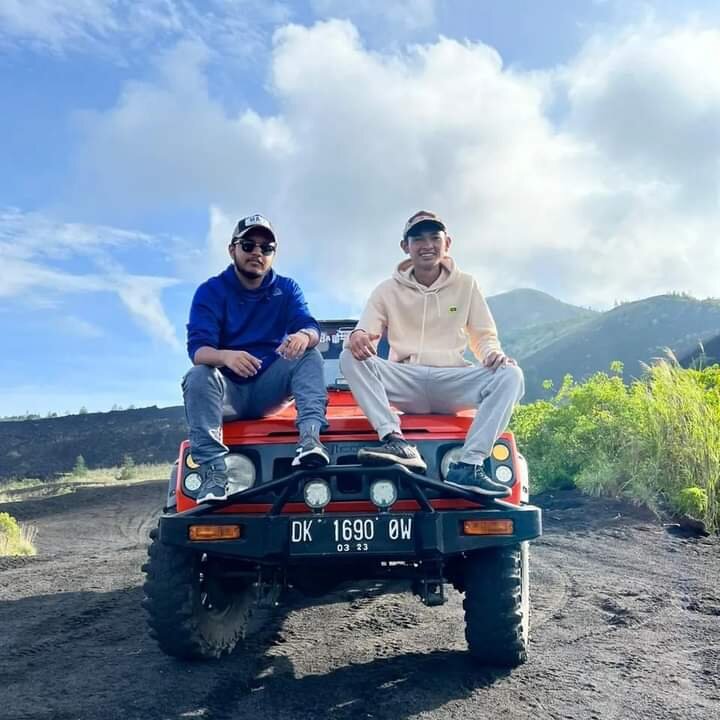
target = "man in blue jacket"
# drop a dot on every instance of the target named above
(252, 341)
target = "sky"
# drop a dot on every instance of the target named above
(571, 147)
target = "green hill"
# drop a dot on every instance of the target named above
(528, 320)
(525, 308)
(633, 333)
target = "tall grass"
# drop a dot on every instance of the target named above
(15, 539)
(656, 441)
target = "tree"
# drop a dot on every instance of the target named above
(80, 468)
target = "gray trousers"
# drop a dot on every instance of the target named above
(421, 390)
(211, 398)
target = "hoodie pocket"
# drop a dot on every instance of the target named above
(440, 358)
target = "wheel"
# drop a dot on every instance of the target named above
(192, 615)
(497, 605)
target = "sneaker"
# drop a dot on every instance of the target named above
(394, 449)
(214, 481)
(310, 453)
(474, 477)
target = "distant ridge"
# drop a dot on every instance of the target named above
(524, 308)
(633, 333)
(528, 320)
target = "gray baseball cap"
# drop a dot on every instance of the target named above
(251, 222)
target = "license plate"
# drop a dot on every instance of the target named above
(325, 535)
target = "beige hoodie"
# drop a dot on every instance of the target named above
(431, 325)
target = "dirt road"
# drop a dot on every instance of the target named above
(625, 624)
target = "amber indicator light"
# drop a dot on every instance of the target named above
(215, 532)
(488, 527)
(500, 452)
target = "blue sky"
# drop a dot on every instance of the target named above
(571, 147)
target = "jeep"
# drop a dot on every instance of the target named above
(211, 566)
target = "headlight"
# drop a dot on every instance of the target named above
(503, 474)
(383, 493)
(192, 482)
(317, 494)
(240, 471)
(451, 456)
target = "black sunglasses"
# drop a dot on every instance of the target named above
(266, 248)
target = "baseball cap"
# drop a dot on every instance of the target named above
(429, 221)
(252, 222)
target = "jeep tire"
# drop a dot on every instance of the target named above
(180, 617)
(497, 605)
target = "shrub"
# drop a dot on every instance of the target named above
(656, 441)
(15, 539)
(80, 467)
(692, 501)
(127, 469)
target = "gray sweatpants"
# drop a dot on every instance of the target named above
(211, 398)
(420, 390)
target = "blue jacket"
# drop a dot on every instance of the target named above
(227, 316)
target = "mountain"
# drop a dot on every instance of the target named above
(633, 333)
(703, 355)
(524, 308)
(528, 320)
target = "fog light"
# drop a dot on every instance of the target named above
(500, 452)
(488, 527)
(192, 482)
(383, 493)
(504, 474)
(317, 494)
(215, 532)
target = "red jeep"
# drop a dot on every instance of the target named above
(210, 566)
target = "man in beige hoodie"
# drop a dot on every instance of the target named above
(430, 312)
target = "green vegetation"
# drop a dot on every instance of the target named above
(127, 469)
(655, 441)
(27, 488)
(80, 468)
(15, 539)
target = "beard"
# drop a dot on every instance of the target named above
(251, 273)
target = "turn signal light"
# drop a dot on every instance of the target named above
(215, 532)
(501, 452)
(488, 527)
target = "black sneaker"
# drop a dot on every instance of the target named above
(474, 477)
(394, 449)
(310, 453)
(214, 481)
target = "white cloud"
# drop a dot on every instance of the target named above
(384, 18)
(56, 23)
(119, 28)
(31, 242)
(141, 295)
(601, 206)
(650, 100)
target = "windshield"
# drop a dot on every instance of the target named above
(333, 334)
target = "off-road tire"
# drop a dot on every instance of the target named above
(182, 626)
(497, 605)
